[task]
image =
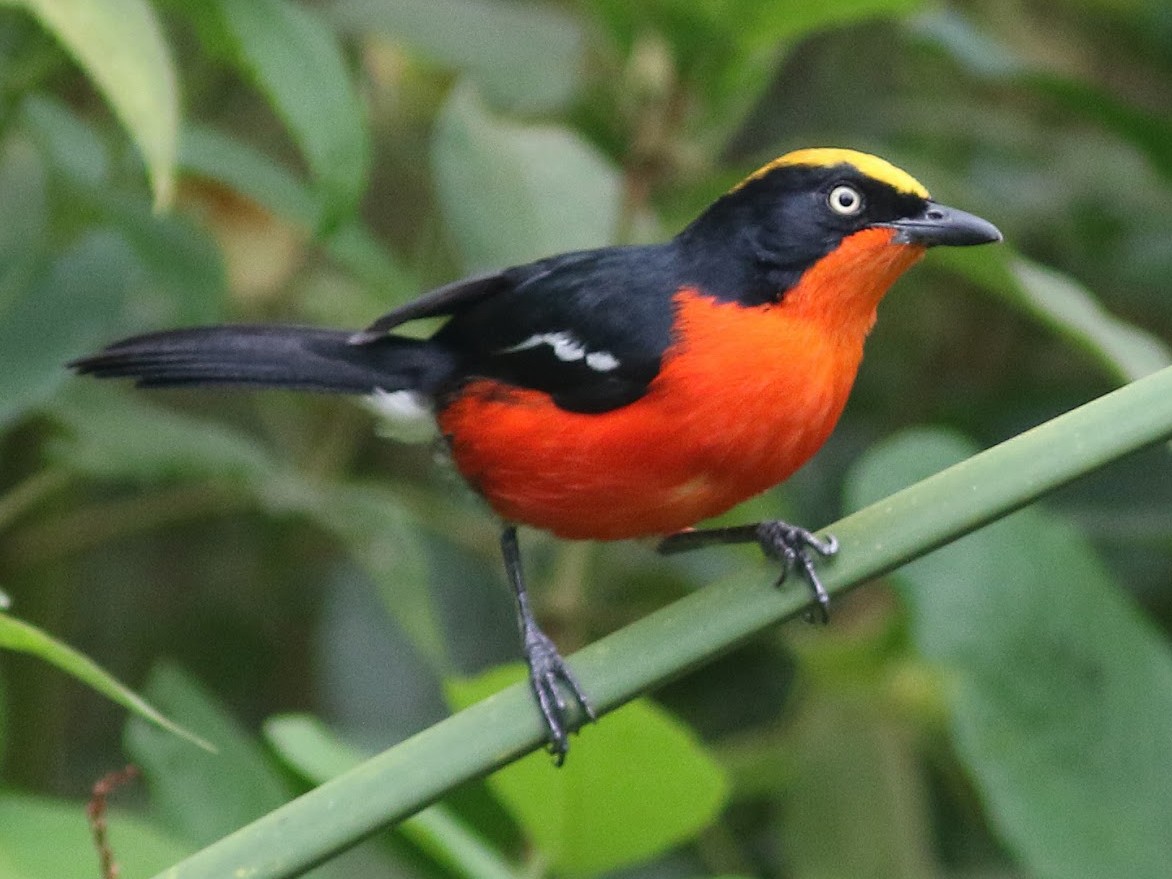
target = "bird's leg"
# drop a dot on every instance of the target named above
(549, 675)
(779, 540)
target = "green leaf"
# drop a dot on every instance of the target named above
(637, 783)
(513, 192)
(121, 47)
(1063, 304)
(63, 313)
(209, 153)
(727, 52)
(984, 56)
(310, 747)
(187, 281)
(371, 523)
(1060, 691)
(186, 276)
(202, 797)
(764, 24)
(317, 754)
(1130, 351)
(295, 61)
(524, 57)
(42, 838)
(216, 156)
(24, 218)
(5, 718)
(68, 143)
(24, 638)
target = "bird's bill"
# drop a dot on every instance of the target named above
(939, 224)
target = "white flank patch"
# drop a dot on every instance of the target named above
(568, 349)
(405, 415)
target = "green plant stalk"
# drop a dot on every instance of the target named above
(404, 779)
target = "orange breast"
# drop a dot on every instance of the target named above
(745, 396)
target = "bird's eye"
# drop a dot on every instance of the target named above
(845, 200)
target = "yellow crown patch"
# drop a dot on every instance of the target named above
(823, 157)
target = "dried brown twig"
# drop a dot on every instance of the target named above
(96, 813)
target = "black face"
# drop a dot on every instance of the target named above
(754, 243)
(810, 210)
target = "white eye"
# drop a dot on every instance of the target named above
(845, 200)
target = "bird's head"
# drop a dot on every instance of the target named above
(790, 215)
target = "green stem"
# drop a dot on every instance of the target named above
(401, 781)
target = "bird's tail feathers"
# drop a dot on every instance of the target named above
(304, 358)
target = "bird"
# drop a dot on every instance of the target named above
(626, 391)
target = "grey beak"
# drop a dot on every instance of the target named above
(939, 224)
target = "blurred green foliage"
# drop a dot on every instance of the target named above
(1003, 710)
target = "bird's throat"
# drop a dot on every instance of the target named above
(842, 290)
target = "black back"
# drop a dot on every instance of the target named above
(591, 328)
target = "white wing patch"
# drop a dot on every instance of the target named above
(602, 361)
(568, 349)
(565, 347)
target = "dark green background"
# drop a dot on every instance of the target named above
(1001, 709)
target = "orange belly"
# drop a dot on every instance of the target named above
(743, 399)
(699, 442)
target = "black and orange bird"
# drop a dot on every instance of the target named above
(624, 392)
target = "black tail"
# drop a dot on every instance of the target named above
(305, 358)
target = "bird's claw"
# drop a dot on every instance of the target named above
(551, 679)
(791, 546)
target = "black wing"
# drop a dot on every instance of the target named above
(589, 328)
(447, 299)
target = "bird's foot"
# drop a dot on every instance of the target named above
(792, 546)
(552, 680)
